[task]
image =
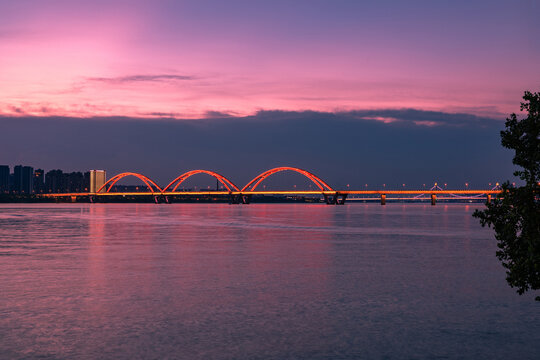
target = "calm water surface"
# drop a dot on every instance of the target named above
(278, 281)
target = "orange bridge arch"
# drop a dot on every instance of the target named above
(252, 185)
(143, 178)
(229, 185)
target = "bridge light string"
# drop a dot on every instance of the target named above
(116, 178)
(324, 188)
(252, 185)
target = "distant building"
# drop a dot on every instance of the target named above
(23, 179)
(74, 182)
(55, 181)
(86, 179)
(97, 179)
(39, 181)
(4, 179)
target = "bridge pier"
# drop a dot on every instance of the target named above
(383, 199)
(488, 200)
(235, 199)
(328, 200)
(336, 199)
(433, 199)
(73, 199)
(160, 199)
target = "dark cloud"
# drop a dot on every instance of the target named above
(425, 118)
(171, 115)
(140, 78)
(16, 109)
(217, 115)
(391, 117)
(342, 148)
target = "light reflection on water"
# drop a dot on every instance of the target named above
(259, 281)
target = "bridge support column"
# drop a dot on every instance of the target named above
(336, 199)
(73, 199)
(330, 199)
(341, 199)
(383, 199)
(235, 199)
(488, 199)
(158, 199)
(433, 199)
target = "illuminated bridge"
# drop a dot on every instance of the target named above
(243, 195)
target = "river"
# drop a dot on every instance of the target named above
(258, 281)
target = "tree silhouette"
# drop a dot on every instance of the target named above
(515, 213)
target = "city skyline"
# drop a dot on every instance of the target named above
(27, 180)
(93, 186)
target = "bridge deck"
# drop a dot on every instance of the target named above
(310, 192)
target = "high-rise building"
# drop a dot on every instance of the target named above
(86, 179)
(97, 179)
(4, 179)
(55, 181)
(75, 182)
(39, 181)
(23, 179)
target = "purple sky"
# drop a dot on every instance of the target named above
(186, 59)
(361, 92)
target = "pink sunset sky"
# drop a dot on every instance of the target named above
(193, 59)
